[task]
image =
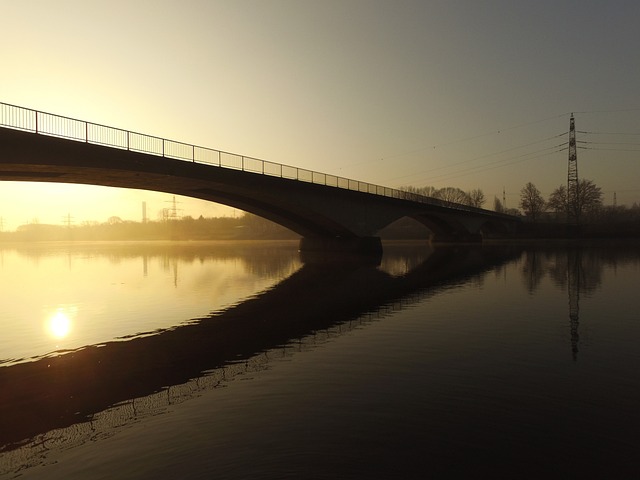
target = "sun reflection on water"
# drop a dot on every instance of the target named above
(60, 324)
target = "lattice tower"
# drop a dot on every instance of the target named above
(573, 194)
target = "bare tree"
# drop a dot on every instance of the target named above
(427, 191)
(476, 198)
(589, 198)
(452, 194)
(558, 200)
(531, 201)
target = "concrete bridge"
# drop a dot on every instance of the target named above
(329, 212)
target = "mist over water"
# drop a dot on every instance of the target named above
(214, 360)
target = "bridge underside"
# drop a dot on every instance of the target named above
(328, 218)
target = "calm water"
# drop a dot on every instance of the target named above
(214, 360)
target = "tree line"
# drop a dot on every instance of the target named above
(245, 226)
(473, 198)
(582, 205)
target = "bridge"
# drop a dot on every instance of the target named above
(330, 213)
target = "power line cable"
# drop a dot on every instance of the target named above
(461, 140)
(608, 143)
(496, 153)
(633, 109)
(501, 166)
(518, 159)
(611, 149)
(423, 172)
(482, 167)
(608, 133)
(493, 165)
(494, 132)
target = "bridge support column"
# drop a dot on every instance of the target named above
(357, 245)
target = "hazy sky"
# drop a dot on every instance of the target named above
(469, 93)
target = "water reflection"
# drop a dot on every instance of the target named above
(399, 260)
(63, 391)
(269, 261)
(475, 373)
(124, 289)
(578, 263)
(59, 324)
(578, 270)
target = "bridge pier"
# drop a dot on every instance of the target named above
(341, 245)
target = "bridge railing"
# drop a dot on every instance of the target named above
(42, 123)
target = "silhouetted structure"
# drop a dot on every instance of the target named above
(573, 193)
(574, 267)
(330, 213)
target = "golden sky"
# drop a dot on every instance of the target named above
(467, 94)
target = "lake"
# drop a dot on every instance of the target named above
(247, 360)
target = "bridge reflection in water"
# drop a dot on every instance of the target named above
(65, 400)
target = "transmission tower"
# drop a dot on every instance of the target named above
(172, 213)
(67, 220)
(573, 205)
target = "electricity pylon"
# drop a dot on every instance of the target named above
(573, 193)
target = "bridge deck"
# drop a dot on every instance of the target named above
(37, 146)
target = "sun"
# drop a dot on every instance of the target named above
(59, 325)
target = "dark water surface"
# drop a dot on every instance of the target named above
(214, 360)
